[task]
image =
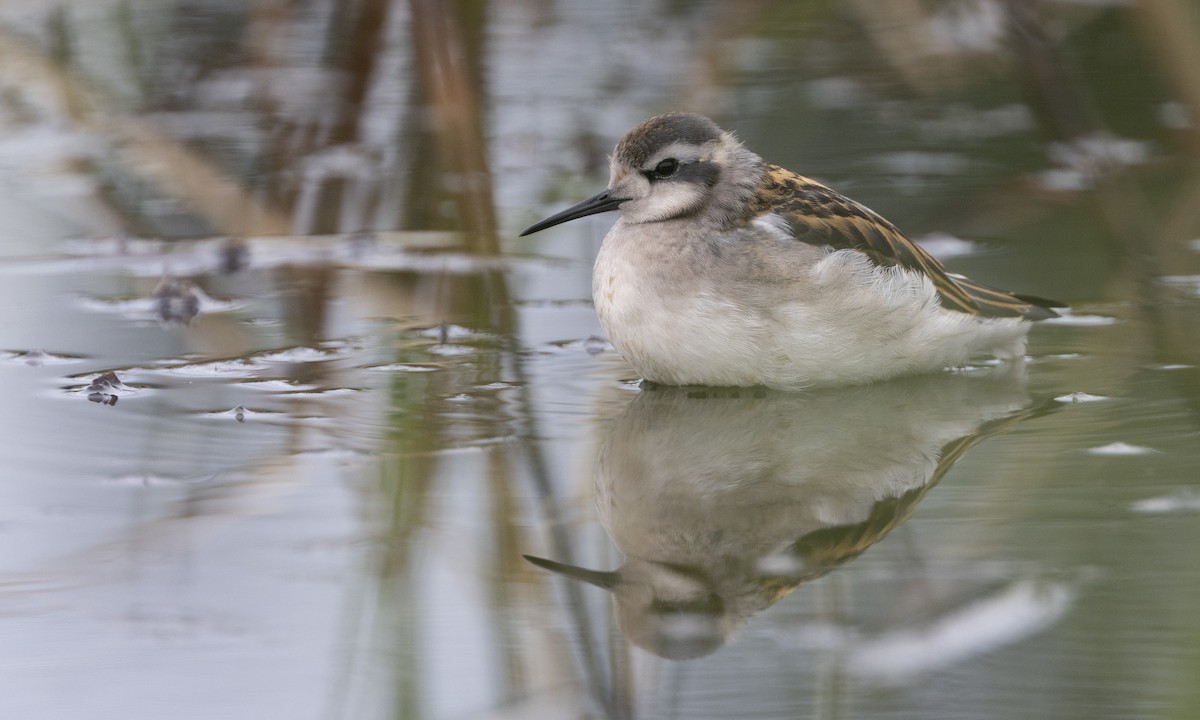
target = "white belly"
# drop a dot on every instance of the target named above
(825, 319)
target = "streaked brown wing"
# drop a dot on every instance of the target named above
(820, 216)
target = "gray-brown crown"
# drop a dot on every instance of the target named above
(644, 140)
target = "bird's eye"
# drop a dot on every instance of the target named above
(666, 168)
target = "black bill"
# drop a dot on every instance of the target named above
(601, 202)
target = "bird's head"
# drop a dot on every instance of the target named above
(670, 610)
(673, 166)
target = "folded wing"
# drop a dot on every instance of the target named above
(818, 215)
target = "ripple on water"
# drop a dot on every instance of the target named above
(151, 308)
(325, 392)
(37, 358)
(592, 345)
(277, 385)
(231, 368)
(150, 480)
(253, 366)
(240, 413)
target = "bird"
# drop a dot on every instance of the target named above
(726, 270)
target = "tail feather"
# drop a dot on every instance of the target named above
(999, 303)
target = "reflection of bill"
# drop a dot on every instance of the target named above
(725, 500)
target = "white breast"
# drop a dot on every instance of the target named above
(785, 315)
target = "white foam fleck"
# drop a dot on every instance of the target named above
(497, 386)
(1188, 283)
(1082, 320)
(450, 331)
(923, 163)
(836, 93)
(1174, 115)
(149, 481)
(1081, 397)
(401, 367)
(944, 245)
(1181, 501)
(451, 350)
(239, 413)
(276, 385)
(296, 355)
(1121, 448)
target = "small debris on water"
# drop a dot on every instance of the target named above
(176, 301)
(104, 388)
(34, 358)
(593, 345)
(232, 256)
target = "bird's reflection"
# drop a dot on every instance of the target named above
(723, 501)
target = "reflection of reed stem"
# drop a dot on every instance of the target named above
(363, 44)
(451, 93)
(1172, 32)
(1051, 81)
(1148, 239)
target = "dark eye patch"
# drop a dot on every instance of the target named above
(700, 172)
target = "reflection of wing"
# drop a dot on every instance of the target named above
(819, 216)
(829, 547)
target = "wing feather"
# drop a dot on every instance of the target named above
(820, 216)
